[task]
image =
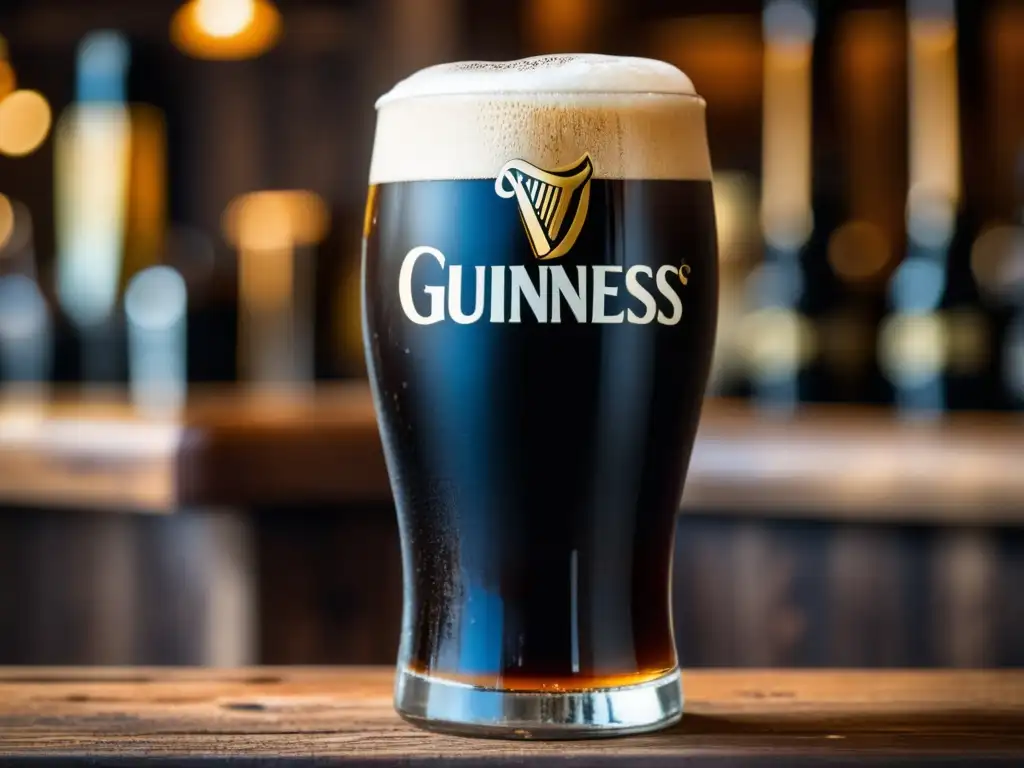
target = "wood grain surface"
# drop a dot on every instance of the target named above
(232, 447)
(344, 716)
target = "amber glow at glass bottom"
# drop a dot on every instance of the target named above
(538, 684)
(464, 709)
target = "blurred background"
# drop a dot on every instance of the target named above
(189, 468)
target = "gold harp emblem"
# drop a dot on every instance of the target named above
(552, 204)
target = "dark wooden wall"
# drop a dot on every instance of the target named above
(79, 588)
(747, 592)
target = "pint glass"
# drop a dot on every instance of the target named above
(539, 309)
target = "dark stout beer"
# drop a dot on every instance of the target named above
(539, 329)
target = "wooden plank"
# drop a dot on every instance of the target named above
(232, 448)
(344, 716)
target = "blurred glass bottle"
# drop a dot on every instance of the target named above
(778, 339)
(997, 253)
(110, 160)
(970, 305)
(26, 348)
(860, 195)
(913, 345)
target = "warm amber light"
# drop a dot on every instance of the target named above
(787, 217)
(91, 165)
(735, 201)
(226, 29)
(146, 195)
(8, 82)
(562, 25)
(934, 162)
(224, 18)
(269, 220)
(24, 123)
(266, 226)
(858, 251)
(6, 221)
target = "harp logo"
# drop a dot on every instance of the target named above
(552, 204)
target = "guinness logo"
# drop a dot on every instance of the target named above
(552, 204)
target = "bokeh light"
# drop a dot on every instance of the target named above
(931, 216)
(858, 251)
(735, 201)
(8, 81)
(789, 22)
(776, 342)
(16, 224)
(918, 285)
(997, 262)
(102, 70)
(224, 18)
(967, 340)
(6, 221)
(270, 220)
(912, 348)
(226, 29)
(155, 299)
(25, 120)
(23, 310)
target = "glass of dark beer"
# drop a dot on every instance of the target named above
(539, 307)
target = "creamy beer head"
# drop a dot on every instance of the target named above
(635, 118)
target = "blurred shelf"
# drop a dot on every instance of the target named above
(228, 448)
(233, 448)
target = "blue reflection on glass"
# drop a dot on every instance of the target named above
(482, 627)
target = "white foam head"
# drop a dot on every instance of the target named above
(636, 118)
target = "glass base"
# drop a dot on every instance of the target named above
(466, 710)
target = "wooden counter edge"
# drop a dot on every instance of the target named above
(299, 715)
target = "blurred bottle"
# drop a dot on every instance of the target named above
(1005, 247)
(110, 160)
(997, 253)
(779, 339)
(26, 332)
(276, 234)
(859, 197)
(970, 309)
(724, 54)
(913, 344)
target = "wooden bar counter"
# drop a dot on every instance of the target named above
(303, 716)
(232, 447)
